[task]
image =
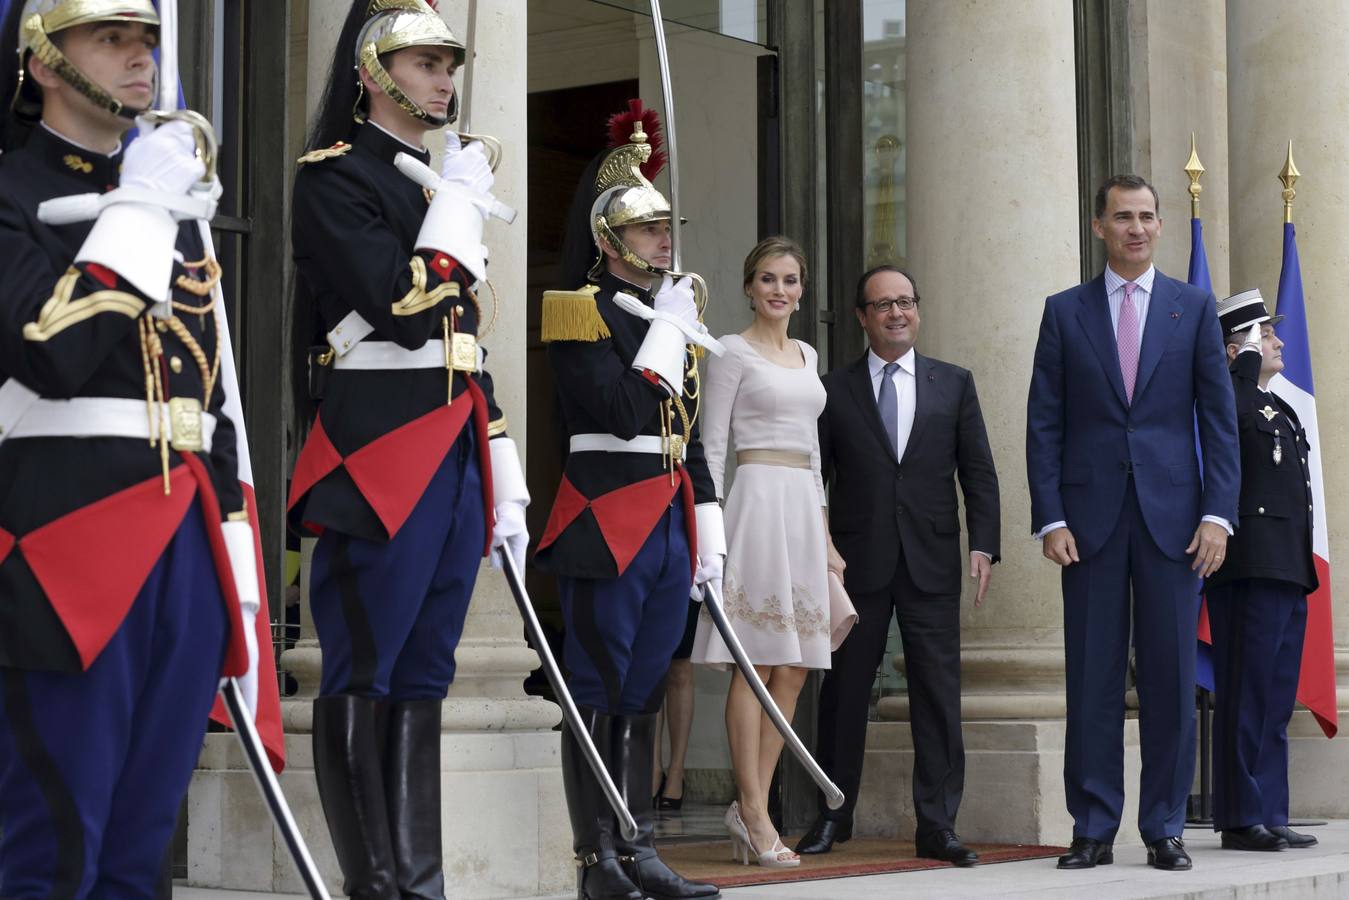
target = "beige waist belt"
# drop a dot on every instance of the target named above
(785, 458)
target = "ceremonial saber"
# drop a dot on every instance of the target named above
(570, 713)
(833, 797)
(271, 789)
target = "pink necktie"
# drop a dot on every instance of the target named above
(1126, 337)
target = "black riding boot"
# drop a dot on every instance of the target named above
(599, 876)
(633, 746)
(348, 740)
(412, 790)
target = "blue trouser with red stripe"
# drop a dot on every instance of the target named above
(1258, 627)
(94, 766)
(389, 615)
(622, 632)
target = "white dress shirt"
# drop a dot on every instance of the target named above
(905, 380)
(1114, 295)
(905, 392)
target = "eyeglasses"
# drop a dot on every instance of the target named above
(905, 304)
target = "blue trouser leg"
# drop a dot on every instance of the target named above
(93, 766)
(389, 615)
(1257, 653)
(622, 633)
(1097, 595)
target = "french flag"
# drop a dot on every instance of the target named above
(1316, 682)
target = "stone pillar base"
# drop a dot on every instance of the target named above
(504, 818)
(1013, 783)
(1316, 766)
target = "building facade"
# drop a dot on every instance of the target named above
(960, 140)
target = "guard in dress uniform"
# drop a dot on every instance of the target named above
(407, 464)
(635, 523)
(128, 579)
(1257, 601)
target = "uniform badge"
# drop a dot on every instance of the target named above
(463, 352)
(77, 164)
(185, 424)
(1269, 413)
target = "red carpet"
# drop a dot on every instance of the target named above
(710, 861)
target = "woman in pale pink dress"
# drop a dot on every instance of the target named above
(765, 396)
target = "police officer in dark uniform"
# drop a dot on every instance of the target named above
(407, 473)
(1257, 601)
(128, 579)
(635, 523)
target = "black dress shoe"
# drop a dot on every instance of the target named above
(1169, 854)
(1252, 837)
(945, 845)
(823, 835)
(1295, 839)
(1086, 853)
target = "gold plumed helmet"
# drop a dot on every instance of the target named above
(41, 19)
(624, 195)
(394, 25)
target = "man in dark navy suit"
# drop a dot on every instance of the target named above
(898, 431)
(1130, 392)
(1257, 602)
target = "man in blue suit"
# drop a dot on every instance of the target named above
(1126, 366)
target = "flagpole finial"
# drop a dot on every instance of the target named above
(1289, 176)
(1194, 168)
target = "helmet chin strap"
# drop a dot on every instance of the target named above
(610, 237)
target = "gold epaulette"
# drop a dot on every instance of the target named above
(572, 316)
(313, 156)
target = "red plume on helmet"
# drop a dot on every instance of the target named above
(620, 132)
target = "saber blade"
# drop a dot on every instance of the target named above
(671, 145)
(168, 56)
(833, 797)
(569, 711)
(271, 790)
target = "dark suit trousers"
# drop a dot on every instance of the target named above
(1258, 627)
(1096, 620)
(929, 626)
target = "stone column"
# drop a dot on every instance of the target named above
(505, 829)
(992, 189)
(1287, 81)
(1179, 64)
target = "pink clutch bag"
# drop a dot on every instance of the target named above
(842, 615)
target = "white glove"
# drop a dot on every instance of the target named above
(1254, 339)
(675, 298)
(163, 159)
(135, 232)
(673, 304)
(711, 531)
(510, 532)
(466, 166)
(709, 572)
(511, 495)
(244, 570)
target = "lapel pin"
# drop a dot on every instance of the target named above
(1269, 413)
(1175, 315)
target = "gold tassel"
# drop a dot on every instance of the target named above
(572, 316)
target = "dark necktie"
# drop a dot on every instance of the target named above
(887, 403)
